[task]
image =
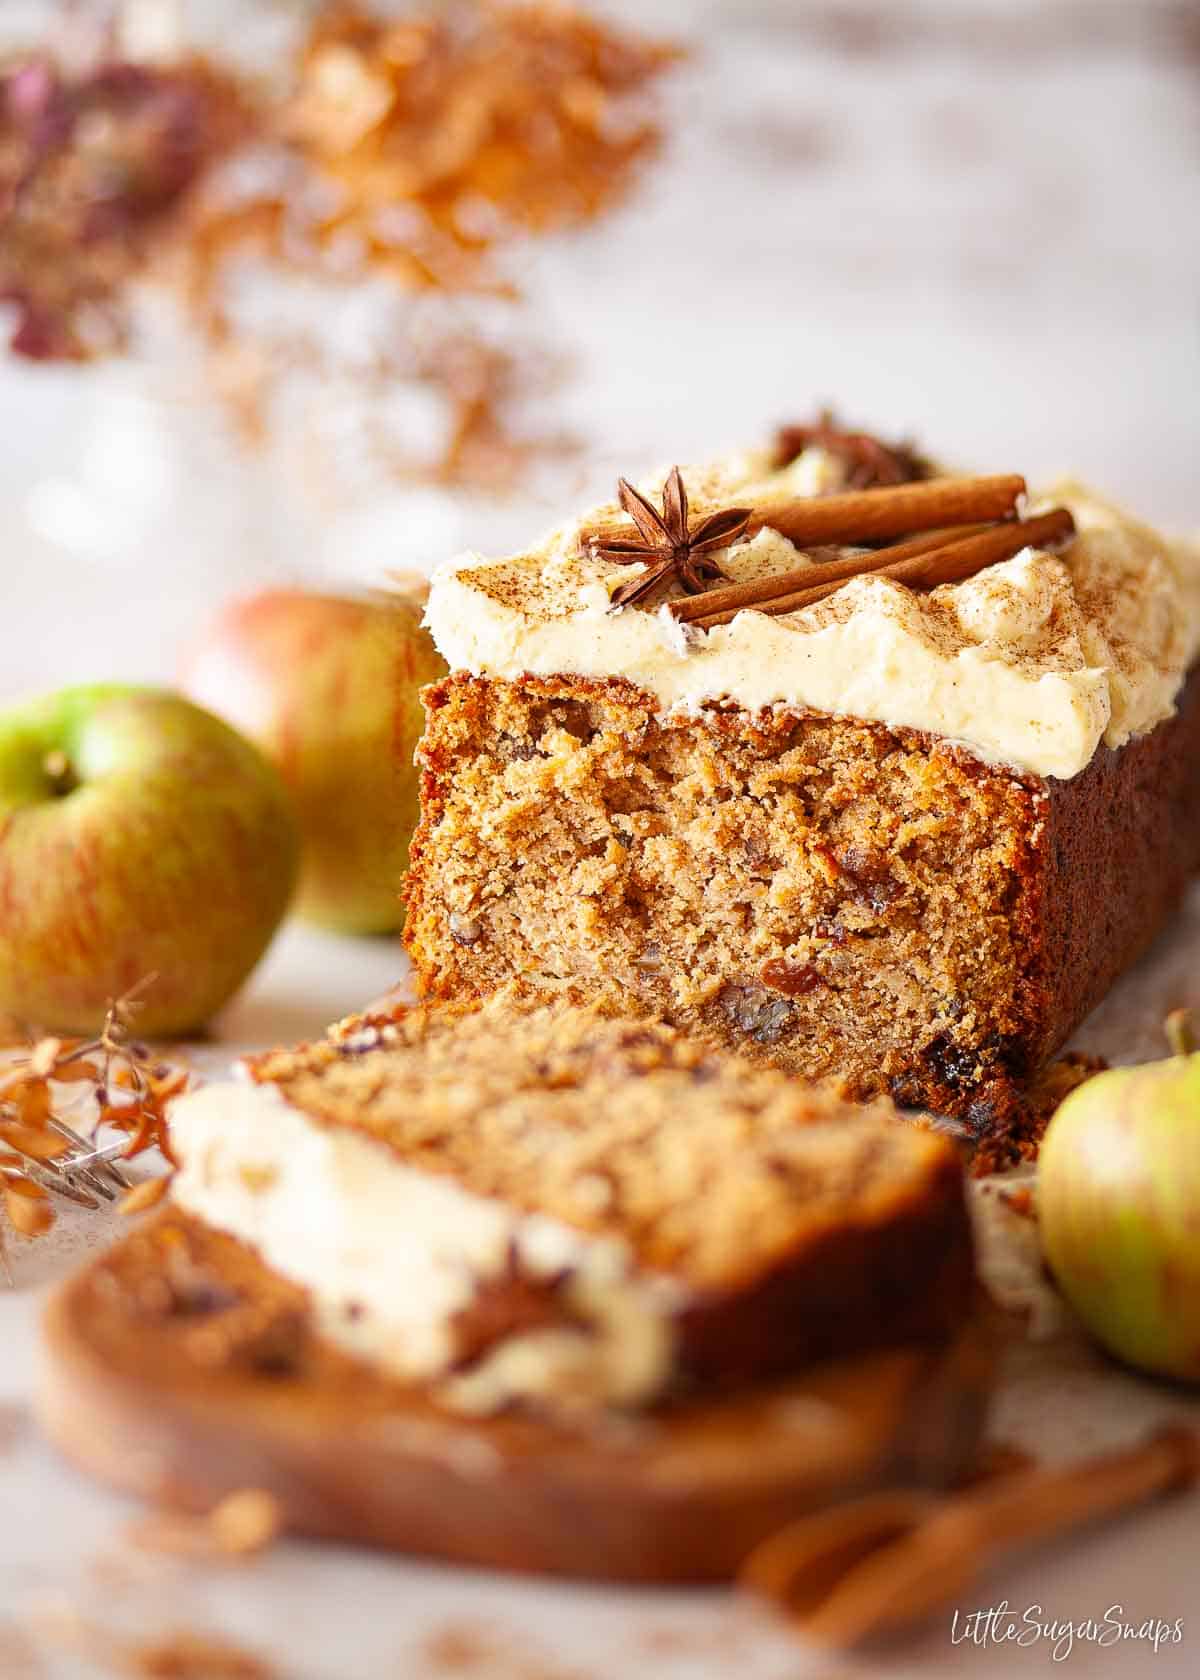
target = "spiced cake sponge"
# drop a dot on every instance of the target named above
(905, 838)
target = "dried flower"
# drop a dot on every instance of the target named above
(130, 1089)
(419, 151)
(868, 460)
(415, 152)
(27, 1205)
(92, 170)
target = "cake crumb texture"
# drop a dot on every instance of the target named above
(708, 1168)
(827, 895)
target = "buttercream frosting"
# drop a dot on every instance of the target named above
(391, 1256)
(1035, 662)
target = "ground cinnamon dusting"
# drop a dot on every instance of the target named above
(951, 529)
(939, 555)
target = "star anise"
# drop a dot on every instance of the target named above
(668, 545)
(513, 1303)
(869, 461)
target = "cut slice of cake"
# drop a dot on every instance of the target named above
(530, 1203)
(904, 827)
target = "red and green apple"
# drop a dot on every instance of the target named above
(139, 836)
(329, 688)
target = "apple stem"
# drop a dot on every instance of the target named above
(59, 772)
(1180, 1034)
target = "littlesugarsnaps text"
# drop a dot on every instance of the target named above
(1035, 1628)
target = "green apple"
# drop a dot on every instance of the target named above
(1118, 1203)
(139, 835)
(329, 688)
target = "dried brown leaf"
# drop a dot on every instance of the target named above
(170, 1084)
(34, 1141)
(17, 1184)
(32, 1101)
(491, 124)
(145, 1195)
(27, 1106)
(30, 1217)
(77, 1072)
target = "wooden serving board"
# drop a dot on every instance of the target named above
(132, 1393)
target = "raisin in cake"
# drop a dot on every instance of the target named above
(905, 837)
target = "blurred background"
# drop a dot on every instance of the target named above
(974, 224)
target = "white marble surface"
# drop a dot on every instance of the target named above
(973, 221)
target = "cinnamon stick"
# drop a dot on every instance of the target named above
(753, 593)
(863, 515)
(948, 563)
(891, 1558)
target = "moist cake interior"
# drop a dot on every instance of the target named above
(818, 891)
(706, 1167)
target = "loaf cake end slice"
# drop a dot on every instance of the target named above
(542, 1203)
